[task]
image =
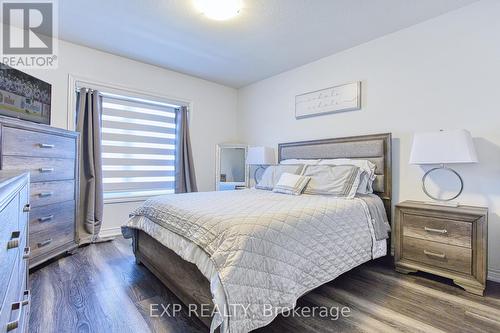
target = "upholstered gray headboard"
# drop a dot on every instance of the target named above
(375, 148)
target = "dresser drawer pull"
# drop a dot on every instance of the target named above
(432, 254)
(437, 231)
(45, 242)
(14, 240)
(18, 307)
(45, 218)
(45, 194)
(27, 252)
(46, 145)
(46, 170)
(26, 208)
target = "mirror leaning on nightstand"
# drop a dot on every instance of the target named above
(231, 169)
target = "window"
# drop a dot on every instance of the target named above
(138, 147)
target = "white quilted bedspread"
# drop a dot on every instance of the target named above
(269, 249)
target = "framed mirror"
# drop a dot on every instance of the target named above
(231, 171)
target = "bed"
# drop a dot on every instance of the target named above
(239, 258)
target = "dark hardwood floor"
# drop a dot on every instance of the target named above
(101, 289)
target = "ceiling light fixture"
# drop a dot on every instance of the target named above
(219, 10)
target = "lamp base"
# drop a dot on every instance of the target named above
(259, 168)
(454, 204)
(446, 201)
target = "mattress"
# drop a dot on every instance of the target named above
(257, 247)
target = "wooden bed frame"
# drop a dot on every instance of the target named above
(188, 283)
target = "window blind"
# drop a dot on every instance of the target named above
(138, 147)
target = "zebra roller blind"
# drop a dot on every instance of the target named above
(138, 144)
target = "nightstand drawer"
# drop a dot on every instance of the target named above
(438, 230)
(450, 257)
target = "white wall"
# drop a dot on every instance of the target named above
(213, 115)
(443, 73)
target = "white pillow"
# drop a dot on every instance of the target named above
(368, 168)
(291, 184)
(273, 173)
(300, 161)
(336, 180)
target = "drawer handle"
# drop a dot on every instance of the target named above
(45, 194)
(14, 240)
(27, 252)
(18, 307)
(432, 254)
(437, 231)
(45, 242)
(46, 170)
(45, 218)
(26, 208)
(46, 145)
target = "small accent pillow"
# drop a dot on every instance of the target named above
(367, 177)
(273, 173)
(291, 184)
(339, 180)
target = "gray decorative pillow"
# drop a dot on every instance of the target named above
(367, 171)
(291, 184)
(273, 173)
(339, 180)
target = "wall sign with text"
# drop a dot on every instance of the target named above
(346, 97)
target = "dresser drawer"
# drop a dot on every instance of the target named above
(51, 226)
(441, 255)
(51, 216)
(9, 221)
(20, 142)
(9, 233)
(19, 313)
(47, 193)
(44, 242)
(41, 169)
(24, 207)
(16, 317)
(23, 269)
(11, 295)
(438, 230)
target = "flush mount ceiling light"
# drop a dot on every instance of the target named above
(219, 10)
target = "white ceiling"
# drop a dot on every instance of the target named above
(266, 38)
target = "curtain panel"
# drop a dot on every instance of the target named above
(89, 123)
(185, 179)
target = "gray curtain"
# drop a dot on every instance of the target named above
(185, 180)
(88, 123)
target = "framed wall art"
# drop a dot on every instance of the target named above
(346, 97)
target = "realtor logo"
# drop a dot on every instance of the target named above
(29, 33)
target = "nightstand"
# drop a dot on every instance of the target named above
(447, 241)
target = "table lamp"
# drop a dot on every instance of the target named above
(443, 148)
(260, 156)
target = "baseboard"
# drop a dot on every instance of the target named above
(494, 275)
(110, 233)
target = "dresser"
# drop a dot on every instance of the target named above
(448, 241)
(50, 156)
(14, 251)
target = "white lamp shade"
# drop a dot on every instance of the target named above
(260, 156)
(443, 147)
